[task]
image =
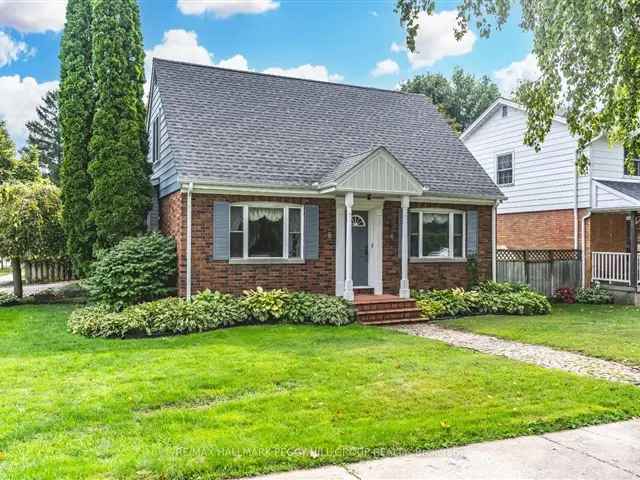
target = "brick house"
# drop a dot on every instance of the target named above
(288, 183)
(550, 205)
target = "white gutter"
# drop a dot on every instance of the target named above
(189, 192)
(584, 250)
(493, 242)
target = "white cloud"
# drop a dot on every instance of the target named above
(19, 98)
(435, 39)
(396, 47)
(33, 15)
(385, 67)
(182, 45)
(309, 72)
(510, 77)
(226, 8)
(373, 13)
(10, 50)
(237, 62)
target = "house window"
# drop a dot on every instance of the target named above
(267, 231)
(504, 175)
(635, 166)
(505, 111)
(436, 234)
(155, 148)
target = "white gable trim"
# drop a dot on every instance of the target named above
(492, 109)
(379, 173)
(607, 198)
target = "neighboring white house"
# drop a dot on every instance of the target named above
(549, 204)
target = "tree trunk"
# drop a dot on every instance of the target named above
(17, 277)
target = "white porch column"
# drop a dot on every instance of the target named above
(348, 250)
(404, 280)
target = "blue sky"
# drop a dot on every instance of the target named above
(344, 41)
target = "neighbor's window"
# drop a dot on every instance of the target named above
(265, 232)
(635, 170)
(505, 169)
(505, 111)
(436, 234)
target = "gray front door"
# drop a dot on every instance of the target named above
(360, 242)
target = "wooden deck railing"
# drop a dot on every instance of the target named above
(612, 267)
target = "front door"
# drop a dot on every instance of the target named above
(360, 254)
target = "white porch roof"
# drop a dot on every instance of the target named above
(374, 171)
(616, 195)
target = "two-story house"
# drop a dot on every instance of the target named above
(550, 205)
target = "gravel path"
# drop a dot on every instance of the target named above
(535, 354)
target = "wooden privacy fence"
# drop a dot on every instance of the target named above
(46, 271)
(544, 271)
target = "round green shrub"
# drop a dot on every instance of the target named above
(226, 309)
(297, 307)
(431, 309)
(327, 310)
(594, 296)
(265, 305)
(136, 270)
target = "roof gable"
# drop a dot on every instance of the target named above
(374, 171)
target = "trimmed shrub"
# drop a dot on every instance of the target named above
(327, 310)
(502, 287)
(431, 309)
(265, 305)
(594, 296)
(455, 302)
(208, 311)
(134, 271)
(7, 299)
(515, 303)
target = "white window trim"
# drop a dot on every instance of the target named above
(285, 238)
(513, 168)
(451, 214)
(624, 167)
(155, 145)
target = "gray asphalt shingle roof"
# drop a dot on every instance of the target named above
(630, 189)
(241, 127)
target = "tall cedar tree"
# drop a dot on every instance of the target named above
(121, 189)
(77, 100)
(7, 153)
(44, 133)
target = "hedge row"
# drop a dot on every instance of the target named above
(488, 298)
(208, 311)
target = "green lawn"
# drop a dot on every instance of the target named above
(606, 331)
(251, 400)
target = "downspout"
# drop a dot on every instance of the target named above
(575, 204)
(584, 249)
(493, 241)
(189, 192)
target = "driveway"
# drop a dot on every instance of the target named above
(606, 451)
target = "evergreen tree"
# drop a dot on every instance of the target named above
(7, 153)
(77, 99)
(27, 168)
(120, 172)
(44, 133)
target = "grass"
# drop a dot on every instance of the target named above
(257, 399)
(606, 331)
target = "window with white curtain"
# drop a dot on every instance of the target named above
(436, 234)
(268, 231)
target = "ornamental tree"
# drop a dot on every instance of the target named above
(589, 57)
(30, 224)
(121, 192)
(77, 98)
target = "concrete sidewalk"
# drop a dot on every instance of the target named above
(609, 452)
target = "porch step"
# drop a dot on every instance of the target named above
(394, 322)
(381, 309)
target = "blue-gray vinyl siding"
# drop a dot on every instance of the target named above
(164, 169)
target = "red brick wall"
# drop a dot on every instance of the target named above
(314, 275)
(432, 274)
(548, 230)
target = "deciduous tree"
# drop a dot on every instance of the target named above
(588, 52)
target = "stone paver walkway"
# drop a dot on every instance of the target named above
(535, 354)
(609, 452)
